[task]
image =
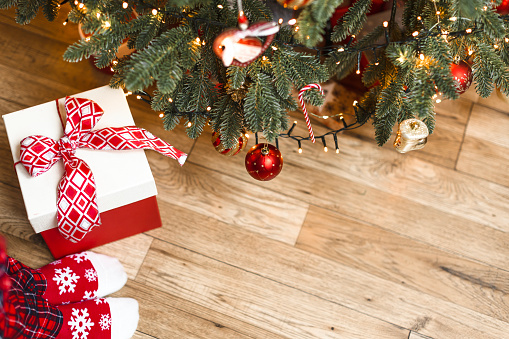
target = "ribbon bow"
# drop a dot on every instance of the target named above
(77, 211)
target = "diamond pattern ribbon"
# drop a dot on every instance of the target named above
(77, 211)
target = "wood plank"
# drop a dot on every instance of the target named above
(140, 335)
(45, 29)
(163, 315)
(496, 100)
(478, 287)
(320, 180)
(489, 124)
(254, 299)
(484, 152)
(343, 285)
(43, 58)
(415, 335)
(34, 254)
(222, 197)
(129, 251)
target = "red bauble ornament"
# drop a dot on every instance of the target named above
(462, 73)
(264, 162)
(239, 146)
(503, 8)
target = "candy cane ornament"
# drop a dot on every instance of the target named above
(306, 116)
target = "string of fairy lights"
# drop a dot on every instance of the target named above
(349, 47)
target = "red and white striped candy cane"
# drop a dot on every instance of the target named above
(301, 93)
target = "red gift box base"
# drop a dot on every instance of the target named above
(119, 223)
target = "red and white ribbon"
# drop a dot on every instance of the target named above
(303, 105)
(77, 211)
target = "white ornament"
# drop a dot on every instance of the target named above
(80, 323)
(66, 279)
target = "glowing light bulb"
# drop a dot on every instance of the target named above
(280, 21)
(416, 33)
(292, 22)
(421, 56)
(170, 99)
(337, 63)
(438, 101)
(189, 124)
(325, 149)
(98, 15)
(495, 46)
(125, 5)
(209, 108)
(107, 24)
(64, 23)
(341, 49)
(300, 150)
(337, 150)
(355, 102)
(438, 12)
(468, 30)
(154, 11)
(453, 18)
(81, 5)
(419, 18)
(220, 6)
(138, 97)
(161, 115)
(386, 24)
(358, 71)
(274, 48)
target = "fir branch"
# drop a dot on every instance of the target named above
(145, 64)
(413, 9)
(492, 24)
(256, 11)
(236, 76)
(421, 91)
(186, 3)
(169, 74)
(352, 21)
(27, 10)
(367, 105)
(170, 121)
(313, 19)
(150, 27)
(4, 4)
(50, 9)
(488, 70)
(281, 78)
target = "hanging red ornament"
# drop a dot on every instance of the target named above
(264, 162)
(503, 8)
(240, 47)
(239, 146)
(462, 73)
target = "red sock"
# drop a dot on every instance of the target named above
(70, 279)
(90, 319)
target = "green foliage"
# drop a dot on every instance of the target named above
(174, 58)
(50, 9)
(352, 21)
(313, 19)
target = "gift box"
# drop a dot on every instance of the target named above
(125, 188)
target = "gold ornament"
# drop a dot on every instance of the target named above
(412, 135)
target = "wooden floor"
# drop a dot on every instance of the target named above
(366, 244)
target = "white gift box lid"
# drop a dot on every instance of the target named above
(122, 177)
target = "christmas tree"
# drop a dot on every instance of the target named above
(183, 55)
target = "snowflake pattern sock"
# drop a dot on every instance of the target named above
(115, 318)
(89, 319)
(82, 276)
